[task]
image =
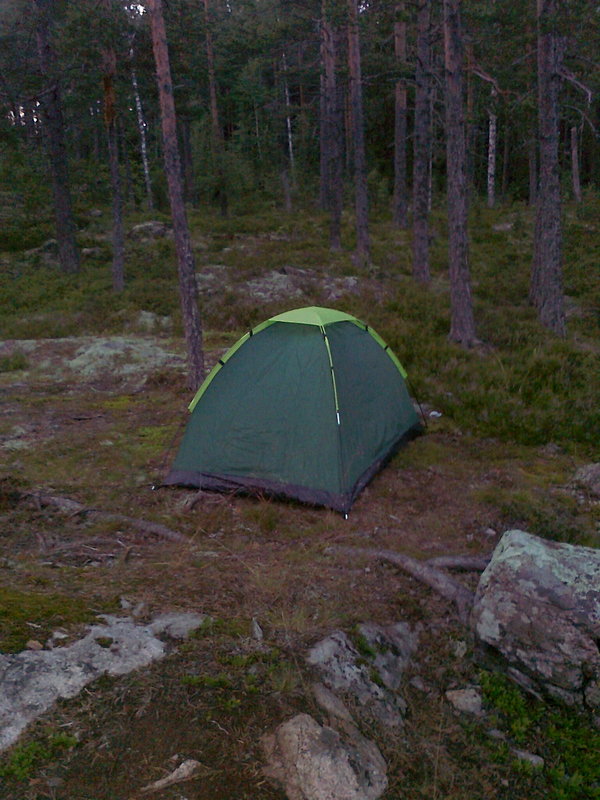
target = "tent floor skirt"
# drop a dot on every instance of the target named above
(255, 486)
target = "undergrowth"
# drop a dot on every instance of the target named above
(565, 739)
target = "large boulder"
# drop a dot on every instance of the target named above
(536, 615)
(316, 762)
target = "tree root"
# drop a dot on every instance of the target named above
(73, 508)
(426, 572)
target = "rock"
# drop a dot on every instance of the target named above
(330, 702)
(394, 646)
(536, 614)
(588, 477)
(154, 229)
(371, 677)
(32, 681)
(256, 630)
(148, 322)
(177, 625)
(315, 762)
(468, 700)
(523, 755)
(91, 252)
(121, 357)
(46, 254)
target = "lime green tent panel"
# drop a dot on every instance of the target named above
(307, 405)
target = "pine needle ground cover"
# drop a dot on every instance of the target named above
(519, 415)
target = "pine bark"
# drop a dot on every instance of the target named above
(54, 138)
(462, 327)
(217, 139)
(110, 123)
(363, 241)
(546, 292)
(576, 179)
(422, 145)
(400, 199)
(491, 159)
(188, 289)
(331, 131)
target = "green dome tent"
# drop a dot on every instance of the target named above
(308, 405)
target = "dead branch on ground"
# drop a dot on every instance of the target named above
(74, 508)
(423, 571)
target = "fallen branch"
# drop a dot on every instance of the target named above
(463, 563)
(443, 584)
(185, 772)
(73, 507)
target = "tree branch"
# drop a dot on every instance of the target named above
(566, 73)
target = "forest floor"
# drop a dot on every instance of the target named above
(93, 418)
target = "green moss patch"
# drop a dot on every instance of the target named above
(34, 615)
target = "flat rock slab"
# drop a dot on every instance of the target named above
(537, 616)
(32, 681)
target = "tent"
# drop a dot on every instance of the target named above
(307, 405)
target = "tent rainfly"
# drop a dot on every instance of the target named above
(309, 405)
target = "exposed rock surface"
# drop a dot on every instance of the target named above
(293, 283)
(33, 680)
(154, 229)
(373, 676)
(588, 477)
(315, 762)
(468, 700)
(537, 615)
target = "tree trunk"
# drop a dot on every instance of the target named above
(188, 288)
(331, 132)
(462, 328)
(422, 145)
(141, 123)
(546, 291)
(363, 242)
(575, 165)
(54, 138)
(189, 189)
(217, 139)
(533, 172)
(505, 160)
(110, 122)
(400, 200)
(491, 159)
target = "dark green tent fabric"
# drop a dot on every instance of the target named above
(304, 409)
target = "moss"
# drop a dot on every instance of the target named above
(27, 758)
(27, 615)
